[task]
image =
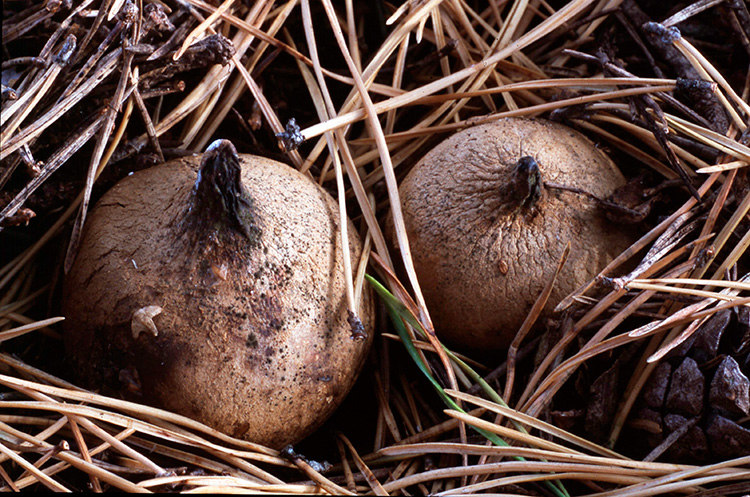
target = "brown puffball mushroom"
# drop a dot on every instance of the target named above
(219, 293)
(486, 235)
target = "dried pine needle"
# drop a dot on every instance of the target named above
(433, 68)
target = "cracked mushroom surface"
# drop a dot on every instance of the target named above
(487, 230)
(215, 285)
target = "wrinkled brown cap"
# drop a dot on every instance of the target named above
(252, 332)
(485, 241)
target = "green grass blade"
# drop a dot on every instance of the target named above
(399, 313)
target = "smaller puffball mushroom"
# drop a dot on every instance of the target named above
(486, 234)
(214, 287)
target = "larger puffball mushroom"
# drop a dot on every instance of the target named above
(486, 235)
(216, 284)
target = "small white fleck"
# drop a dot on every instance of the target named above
(143, 320)
(134, 264)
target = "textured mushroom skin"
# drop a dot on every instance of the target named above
(253, 337)
(482, 258)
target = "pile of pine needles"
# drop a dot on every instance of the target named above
(116, 85)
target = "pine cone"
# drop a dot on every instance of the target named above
(695, 406)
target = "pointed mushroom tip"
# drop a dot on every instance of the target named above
(527, 163)
(221, 144)
(220, 154)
